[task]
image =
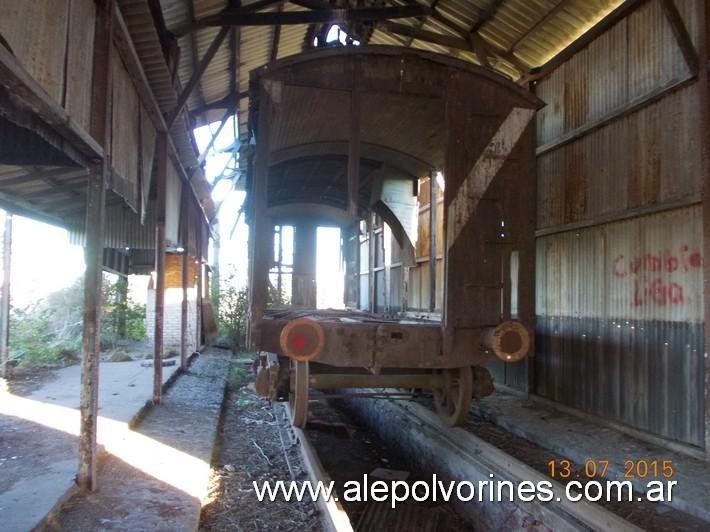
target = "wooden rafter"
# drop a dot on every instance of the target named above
(420, 24)
(690, 54)
(544, 20)
(448, 41)
(276, 38)
(193, 45)
(491, 48)
(231, 17)
(197, 74)
(486, 15)
(223, 103)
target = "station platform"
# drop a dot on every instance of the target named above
(39, 435)
(579, 438)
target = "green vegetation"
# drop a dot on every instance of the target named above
(238, 377)
(232, 306)
(48, 332)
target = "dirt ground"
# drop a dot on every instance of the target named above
(24, 381)
(250, 449)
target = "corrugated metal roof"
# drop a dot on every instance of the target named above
(146, 40)
(529, 31)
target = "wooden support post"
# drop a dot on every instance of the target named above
(184, 333)
(198, 287)
(704, 76)
(161, 154)
(304, 266)
(91, 338)
(279, 260)
(405, 288)
(5, 303)
(354, 149)
(371, 294)
(261, 230)
(386, 250)
(101, 118)
(356, 273)
(432, 241)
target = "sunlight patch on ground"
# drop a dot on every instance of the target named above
(164, 463)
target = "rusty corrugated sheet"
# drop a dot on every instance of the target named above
(148, 47)
(620, 306)
(595, 81)
(649, 157)
(619, 325)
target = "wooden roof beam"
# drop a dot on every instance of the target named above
(549, 16)
(486, 15)
(276, 39)
(474, 45)
(690, 54)
(223, 103)
(241, 17)
(422, 21)
(197, 75)
(490, 48)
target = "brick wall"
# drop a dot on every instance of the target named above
(172, 318)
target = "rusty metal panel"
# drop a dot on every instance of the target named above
(646, 158)
(80, 54)
(36, 31)
(125, 138)
(619, 322)
(635, 57)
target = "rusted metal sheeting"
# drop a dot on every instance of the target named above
(125, 140)
(647, 158)
(651, 156)
(53, 40)
(619, 322)
(636, 56)
(150, 52)
(37, 35)
(122, 229)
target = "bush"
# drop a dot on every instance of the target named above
(232, 304)
(232, 308)
(122, 318)
(49, 331)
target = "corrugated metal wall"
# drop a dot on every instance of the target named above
(620, 299)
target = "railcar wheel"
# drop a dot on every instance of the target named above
(298, 393)
(453, 401)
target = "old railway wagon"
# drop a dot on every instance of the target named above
(340, 134)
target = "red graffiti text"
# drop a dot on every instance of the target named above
(648, 286)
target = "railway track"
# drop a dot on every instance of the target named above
(456, 454)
